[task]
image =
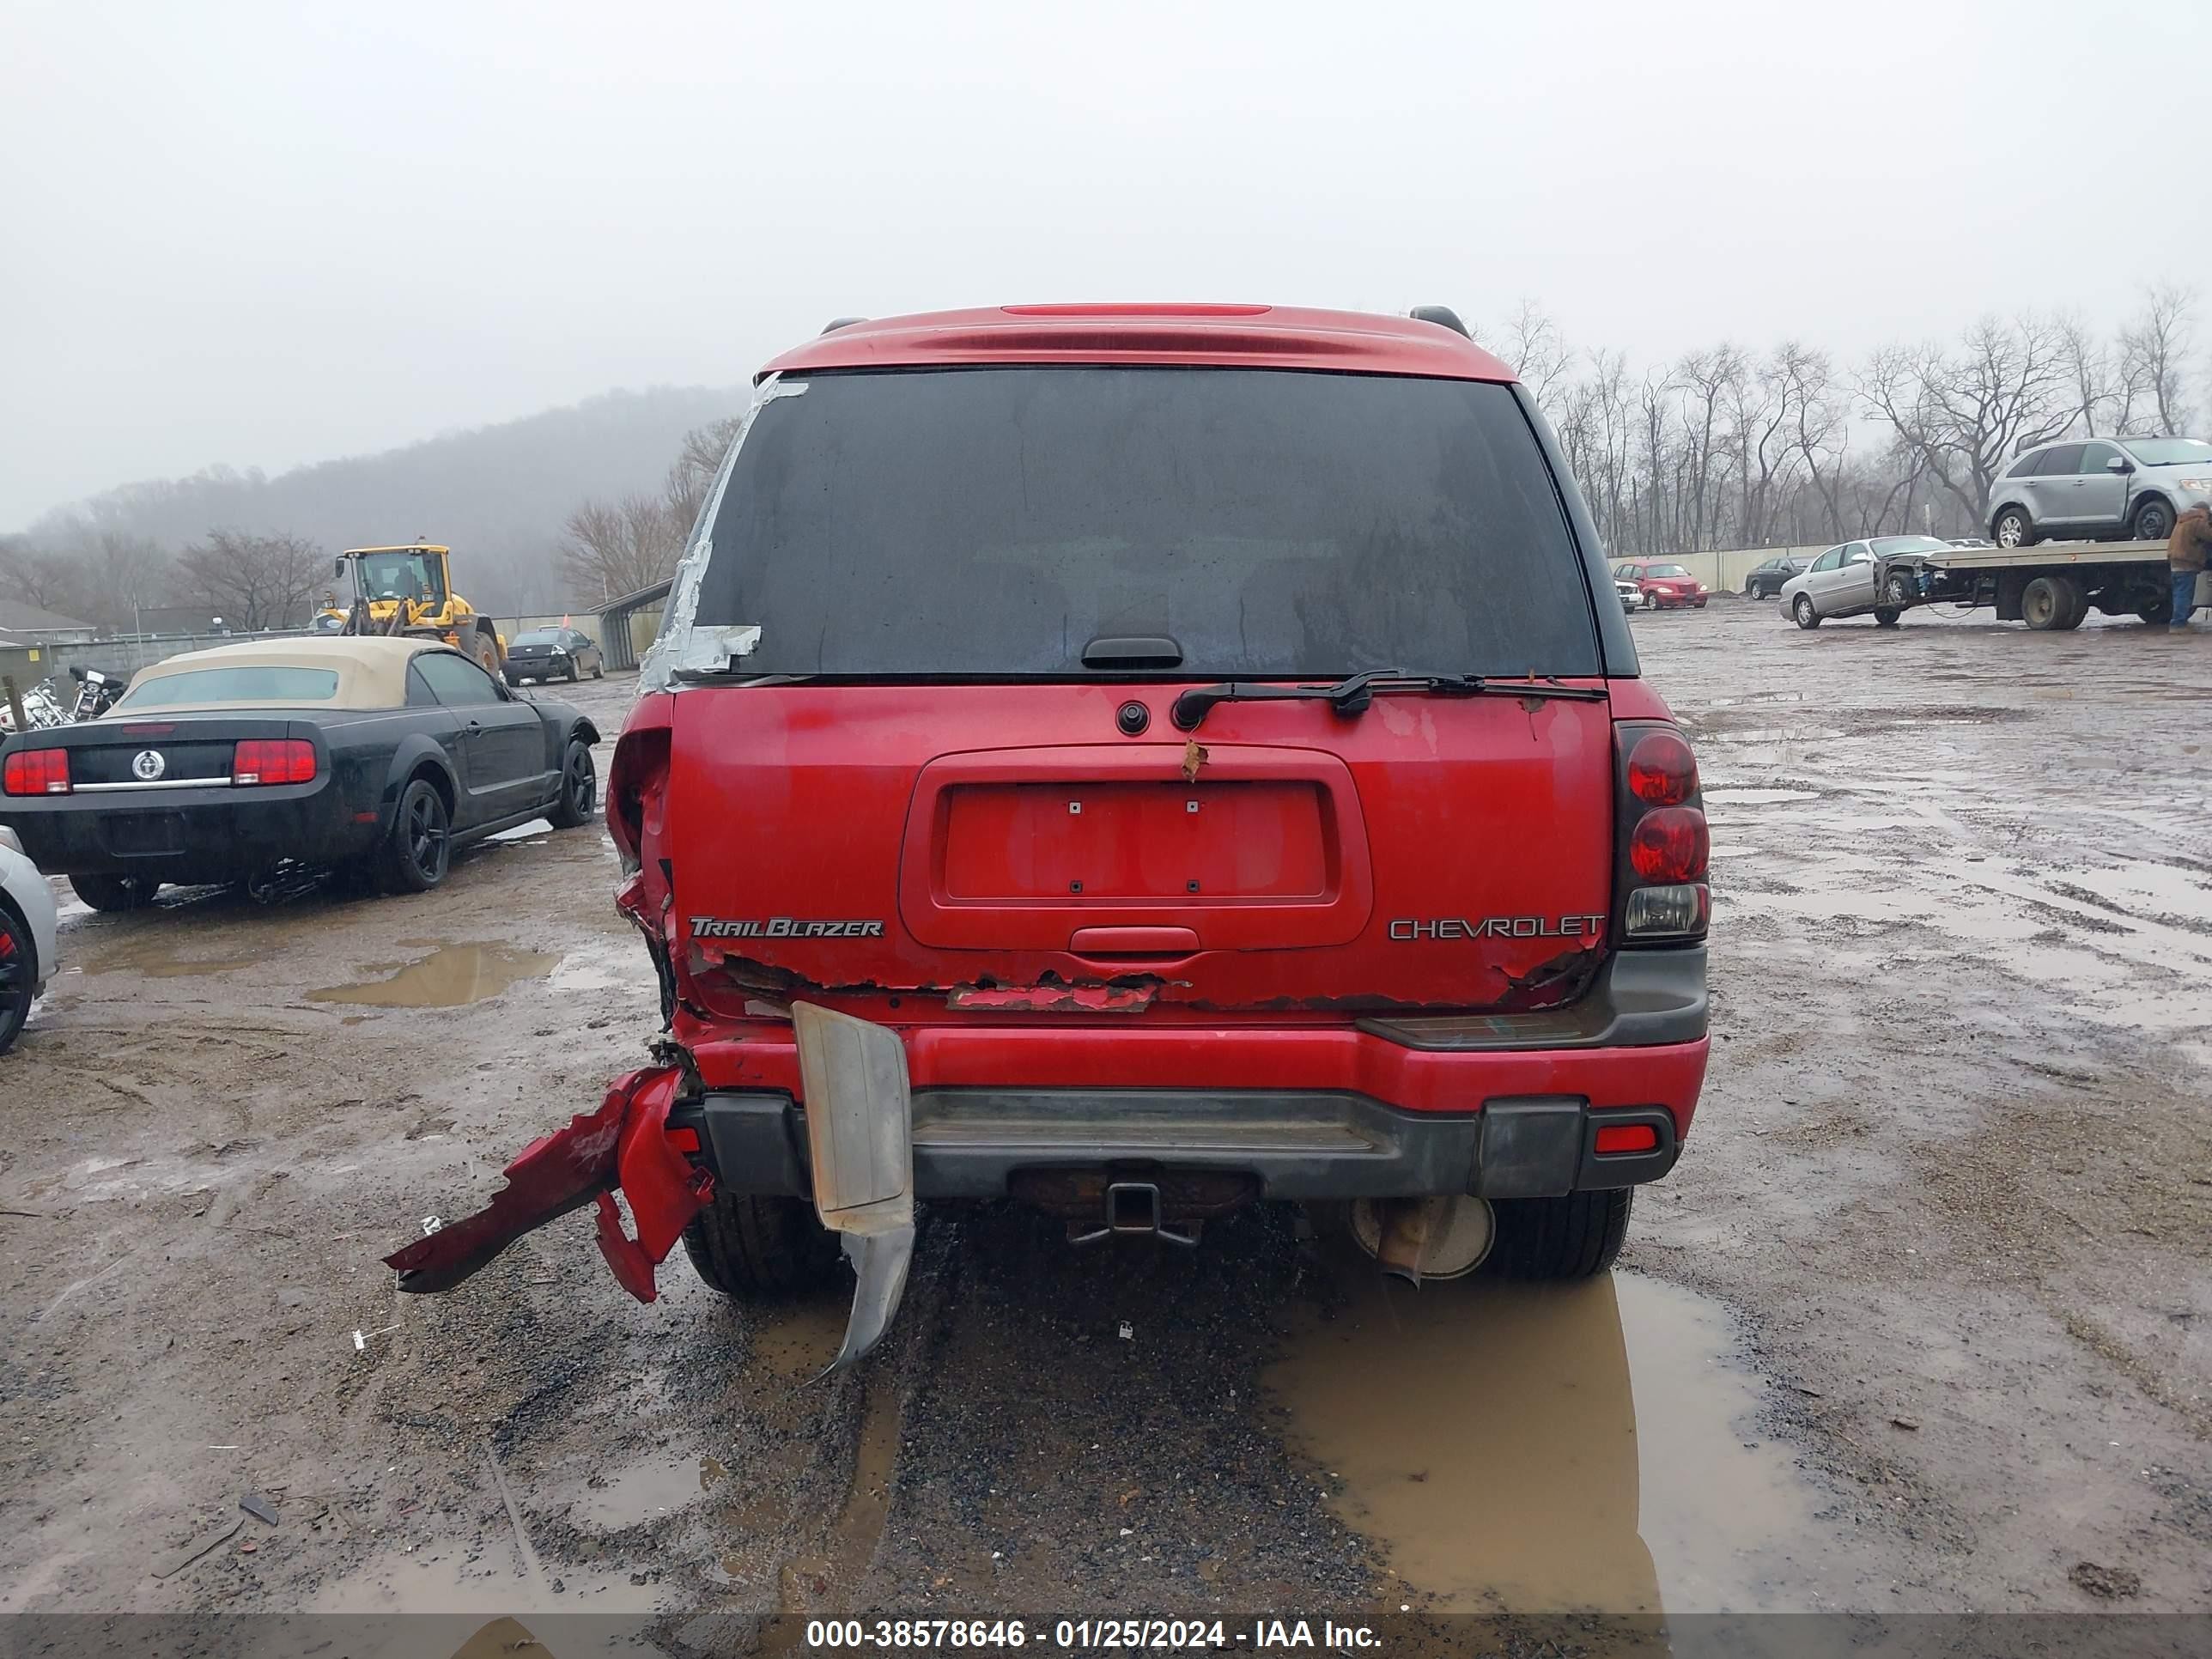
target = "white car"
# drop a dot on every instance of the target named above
(28, 951)
(1630, 595)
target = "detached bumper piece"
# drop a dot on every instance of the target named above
(861, 1153)
(623, 1145)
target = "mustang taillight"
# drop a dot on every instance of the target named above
(37, 772)
(1664, 841)
(273, 759)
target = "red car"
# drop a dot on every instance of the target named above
(1665, 586)
(1138, 761)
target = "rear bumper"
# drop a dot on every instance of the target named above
(189, 835)
(974, 1143)
(1505, 1106)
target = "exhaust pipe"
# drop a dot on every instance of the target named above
(1445, 1236)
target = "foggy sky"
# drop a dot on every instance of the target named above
(264, 235)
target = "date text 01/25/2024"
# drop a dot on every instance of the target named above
(1084, 1634)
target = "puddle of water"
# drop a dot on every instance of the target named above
(638, 1492)
(799, 1341)
(157, 956)
(1548, 1448)
(449, 977)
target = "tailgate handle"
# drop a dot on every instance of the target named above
(1134, 942)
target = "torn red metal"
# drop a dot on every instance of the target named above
(1054, 998)
(624, 1145)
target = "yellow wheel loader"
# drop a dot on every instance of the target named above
(410, 590)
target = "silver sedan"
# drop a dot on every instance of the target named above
(1842, 581)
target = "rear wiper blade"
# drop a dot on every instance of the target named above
(1350, 697)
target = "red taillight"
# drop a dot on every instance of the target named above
(1628, 1137)
(684, 1140)
(37, 772)
(1669, 844)
(273, 759)
(1662, 771)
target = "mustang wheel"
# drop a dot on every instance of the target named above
(16, 974)
(580, 788)
(420, 848)
(1804, 611)
(115, 892)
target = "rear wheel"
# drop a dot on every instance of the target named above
(2155, 607)
(18, 976)
(2077, 602)
(417, 852)
(2153, 522)
(580, 788)
(116, 892)
(753, 1249)
(2044, 603)
(1807, 616)
(1886, 616)
(1576, 1236)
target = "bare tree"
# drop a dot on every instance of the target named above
(1536, 351)
(253, 582)
(2154, 346)
(31, 576)
(693, 472)
(1961, 415)
(612, 548)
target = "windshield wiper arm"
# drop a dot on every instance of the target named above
(1350, 697)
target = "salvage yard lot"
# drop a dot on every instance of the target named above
(1919, 1322)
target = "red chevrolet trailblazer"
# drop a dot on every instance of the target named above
(1140, 760)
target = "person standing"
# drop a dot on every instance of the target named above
(2185, 557)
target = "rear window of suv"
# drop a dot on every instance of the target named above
(979, 522)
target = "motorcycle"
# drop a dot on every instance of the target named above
(95, 693)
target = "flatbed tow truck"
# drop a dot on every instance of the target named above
(2049, 585)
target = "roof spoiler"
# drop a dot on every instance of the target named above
(836, 323)
(1443, 316)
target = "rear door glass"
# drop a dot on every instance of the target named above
(981, 522)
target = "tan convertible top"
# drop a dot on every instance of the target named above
(372, 672)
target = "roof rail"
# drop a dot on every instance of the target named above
(836, 323)
(1443, 316)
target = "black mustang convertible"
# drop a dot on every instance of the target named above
(372, 756)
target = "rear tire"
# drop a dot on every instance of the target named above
(2044, 604)
(1804, 611)
(1576, 1236)
(19, 976)
(598, 671)
(757, 1248)
(2077, 603)
(580, 788)
(2013, 528)
(116, 892)
(1886, 616)
(2153, 522)
(419, 849)
(486, 651)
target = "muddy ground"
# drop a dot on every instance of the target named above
(1920, 1323)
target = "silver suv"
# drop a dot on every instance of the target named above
(2094, 489)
